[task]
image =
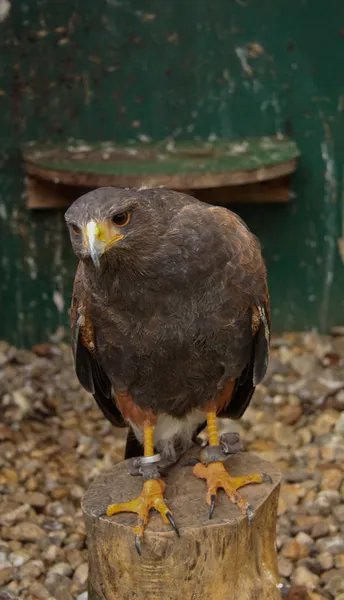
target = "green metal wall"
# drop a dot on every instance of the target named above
(119, 69)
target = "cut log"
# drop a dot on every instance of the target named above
(224, 558)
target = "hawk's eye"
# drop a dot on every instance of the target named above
(76, 229)
(121, 219)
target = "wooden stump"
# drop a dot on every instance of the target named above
(222, 559)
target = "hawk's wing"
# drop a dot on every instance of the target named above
(88, 370)
(249, 277)
(256, 368)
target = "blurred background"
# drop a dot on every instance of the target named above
(126, 71)
(239, 102)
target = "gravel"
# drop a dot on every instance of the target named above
(54, 442)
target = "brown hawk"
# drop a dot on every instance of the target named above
(170, 327)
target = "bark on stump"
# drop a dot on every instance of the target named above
(222, 559)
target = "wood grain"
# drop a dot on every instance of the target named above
(185, 165)
(222, 559)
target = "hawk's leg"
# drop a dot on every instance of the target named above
(216, 476)
(152, 495)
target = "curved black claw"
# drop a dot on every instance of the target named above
(191, 462)
(138, 544)
(173, 523)
(212, 505)
(249, 513)
(266, 478)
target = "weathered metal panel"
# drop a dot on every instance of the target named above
(124, 69)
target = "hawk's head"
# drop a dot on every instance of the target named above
(109, 219)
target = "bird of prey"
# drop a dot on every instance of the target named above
(170, 329)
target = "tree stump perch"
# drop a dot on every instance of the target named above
(224, 558)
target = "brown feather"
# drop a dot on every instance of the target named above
(88, 369)
(178, 309)
(223, 399)
(133, 413)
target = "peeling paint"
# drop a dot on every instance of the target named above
(3, 211)
(242, 55)
(30, 261)
(340, 106)
(330, 199)
(144, 138)
(5, 7)
(341, 240)
(58, 301)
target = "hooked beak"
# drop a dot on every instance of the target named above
(96, 245)
(99, 238)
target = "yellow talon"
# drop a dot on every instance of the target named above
(217, 477)
(150, 497)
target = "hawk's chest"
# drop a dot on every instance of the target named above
(190, 332)
(144, 320)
